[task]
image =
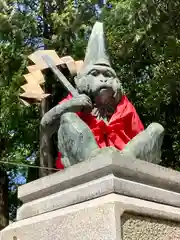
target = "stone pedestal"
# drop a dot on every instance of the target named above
(112, 197)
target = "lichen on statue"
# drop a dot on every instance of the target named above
(101, 116)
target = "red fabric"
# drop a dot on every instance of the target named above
(122, 127)
(59, 164)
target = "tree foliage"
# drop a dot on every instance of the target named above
(144, 44)
(26, 26)
(18, 125)
(145, 48)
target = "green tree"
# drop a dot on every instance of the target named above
(144, 45)
(144, 39)
(26, 26)
(18, 125)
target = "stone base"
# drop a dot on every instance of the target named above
(114, 217)
(110, 197)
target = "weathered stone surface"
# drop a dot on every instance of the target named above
(87, 200)
(146, 228)
(101, 219)
(90, 220)
(95, 189)
(109, 162)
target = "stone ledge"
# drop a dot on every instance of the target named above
(110, 161)
(94, 189)
(98, 219)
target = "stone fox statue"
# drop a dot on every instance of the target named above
(101, 116)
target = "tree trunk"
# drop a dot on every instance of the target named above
(46, 144)
(4, 213)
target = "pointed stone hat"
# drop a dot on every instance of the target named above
(96, 50)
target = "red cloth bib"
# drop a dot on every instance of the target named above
(122, 127)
